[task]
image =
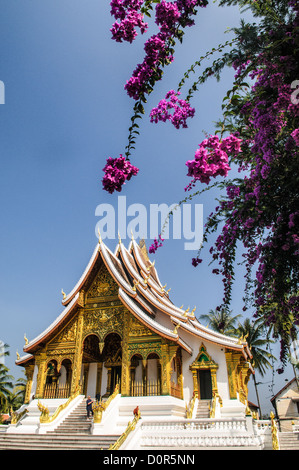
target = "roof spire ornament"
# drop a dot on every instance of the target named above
(63, 293)
(26, 340)
(151, 266)
(175, 331)
(186, 311)
(119, 238)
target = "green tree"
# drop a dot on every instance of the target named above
(17, 396)
(6, 385)
(221, 321)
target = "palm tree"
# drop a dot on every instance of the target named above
(261, 358)
(5, 386)
(5, 378)
(18, 394)
(221, 321)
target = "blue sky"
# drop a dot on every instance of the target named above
(65, 113)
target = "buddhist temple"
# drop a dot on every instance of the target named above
(120, 334)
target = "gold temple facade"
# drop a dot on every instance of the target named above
(119, 326)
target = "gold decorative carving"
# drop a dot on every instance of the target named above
(103, 285)
(204, 361)
(103, 321)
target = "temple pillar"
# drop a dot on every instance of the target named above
(213, 370)
(232, 361)
(125, 365)
(29, 370)
(195, 382)
(41, 362)
(77, 364)
(168, 352)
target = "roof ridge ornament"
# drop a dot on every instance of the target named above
(64, 294)
(186, 312)
(151, 265)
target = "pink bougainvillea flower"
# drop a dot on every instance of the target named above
(211, 159)
(181, 110)
(295, 135)
(117, 172)
(157, 243)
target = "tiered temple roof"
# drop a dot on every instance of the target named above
(142, 293)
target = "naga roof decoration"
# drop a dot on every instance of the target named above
(141, 291)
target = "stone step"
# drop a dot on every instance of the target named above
(288, 441)
(61, 442)
(203, 410)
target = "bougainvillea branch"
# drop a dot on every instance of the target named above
(258, 135)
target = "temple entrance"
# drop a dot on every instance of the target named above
(205, 384)
(204, 371)
(112, 360)
(101, 365)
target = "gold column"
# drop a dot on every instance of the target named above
(41, 362)
(29, 374)
(168, 352)
(244, 374)
(213, 370)
(232, 361)
(77, 364)
(180, 374)
(195, 383)
(125, 365)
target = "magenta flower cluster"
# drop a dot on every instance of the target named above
(156, 244)
(211, 159)
(128, 12)
(261, 210)
(158, 50)
(117, 172)
(295, 135)
(181, 110)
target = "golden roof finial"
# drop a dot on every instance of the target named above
(186, 311)
(26, 340)
(63, 293)
(146, 279)
(192, 312)
(119, 238)
(18, 355)
(175, 331)
(132, 235)
(151, 266)
(135, 284)
(167, 291)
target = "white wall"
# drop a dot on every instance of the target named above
(92, 379)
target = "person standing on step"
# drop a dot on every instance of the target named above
(89, 403)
